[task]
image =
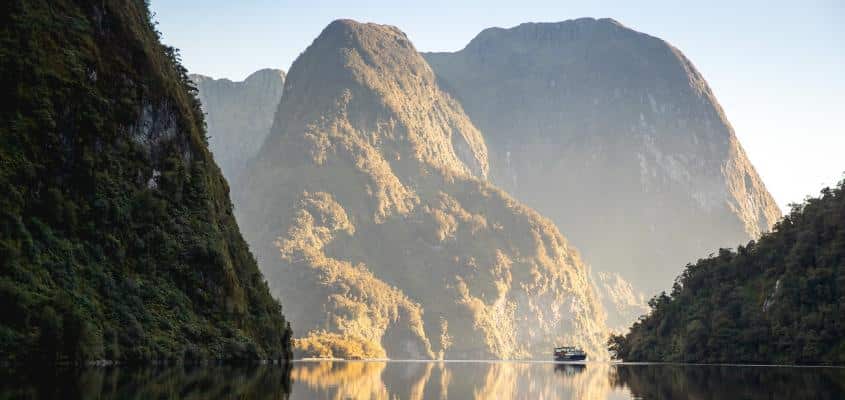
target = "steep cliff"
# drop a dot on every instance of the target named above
(621, 301)
(369, 212)
(616, 137)
(118, 238)
(239, 116)
(777, 300)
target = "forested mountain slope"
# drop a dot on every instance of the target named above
(118, 239)
(778, 300)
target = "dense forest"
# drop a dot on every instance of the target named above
(780, 299)
(117, 239)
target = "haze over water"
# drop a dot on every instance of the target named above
(434, 380)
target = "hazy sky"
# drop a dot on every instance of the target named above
(777, 68)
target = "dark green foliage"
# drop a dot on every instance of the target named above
(778, 300)
(117, 239)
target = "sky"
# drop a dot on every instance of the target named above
(777, 68)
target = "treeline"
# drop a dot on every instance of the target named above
(778, 300)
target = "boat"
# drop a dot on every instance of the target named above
(569, 353)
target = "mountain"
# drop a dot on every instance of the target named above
(779, 300)
(621, 301)
(118, 239)
(369, 212)
(615, 136)
(239, 115)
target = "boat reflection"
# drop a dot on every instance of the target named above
(570, 369)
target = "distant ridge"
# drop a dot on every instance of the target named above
(239, 115)
(615, 136)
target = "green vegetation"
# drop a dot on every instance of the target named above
(117, 239)
(778, 300)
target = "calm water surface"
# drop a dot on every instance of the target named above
(432, 380)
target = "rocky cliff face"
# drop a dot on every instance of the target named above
(621, 301)
(368, 209)
(118, 239)
(239, 115)
(616, 137)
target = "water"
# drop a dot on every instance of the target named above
(432, 380)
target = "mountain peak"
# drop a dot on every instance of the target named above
(554, 32)
(348, 33)
(366, 63)
(266, 74)
(346, 25)
(380, 46)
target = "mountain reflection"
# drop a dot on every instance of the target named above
(524, 380)
(431, 380)
(443, 380)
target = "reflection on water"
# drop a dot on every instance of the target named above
(432, 380)
(730, 382)
(456, 380)
(515, 380)
(206, 382)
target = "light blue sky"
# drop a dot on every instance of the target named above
(777, 68)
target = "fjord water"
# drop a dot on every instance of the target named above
(433, 380)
